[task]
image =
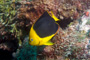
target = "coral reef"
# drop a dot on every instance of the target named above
(71, 42)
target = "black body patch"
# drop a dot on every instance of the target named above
(45, 25)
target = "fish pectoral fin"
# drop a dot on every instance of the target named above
(48, 43)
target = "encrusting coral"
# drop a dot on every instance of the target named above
(70, 42)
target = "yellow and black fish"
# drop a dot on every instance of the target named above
(43, 30)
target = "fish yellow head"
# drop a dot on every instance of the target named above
(33, 38)
(43, 30)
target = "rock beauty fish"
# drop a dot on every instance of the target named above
(43, 30)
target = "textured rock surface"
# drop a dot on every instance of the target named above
(69, 43)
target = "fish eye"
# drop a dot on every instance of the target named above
(31, 39)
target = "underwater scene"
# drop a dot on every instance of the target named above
(44, 29)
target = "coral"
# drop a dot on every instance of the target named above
(27, 52)
(17, 17)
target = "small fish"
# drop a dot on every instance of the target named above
(43, 30)
(87, 13)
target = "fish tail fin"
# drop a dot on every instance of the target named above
(48, 43)
(54, 17)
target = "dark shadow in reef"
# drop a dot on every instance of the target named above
(64, 23)
(8, 45)
(5, 55)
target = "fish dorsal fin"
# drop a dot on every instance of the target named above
(53, 16)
